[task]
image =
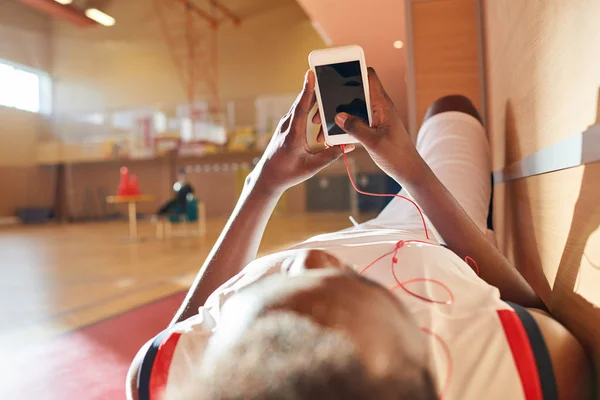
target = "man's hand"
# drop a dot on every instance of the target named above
(387, 141)
(287, 159)
(391, 148)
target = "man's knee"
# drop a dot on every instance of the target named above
(455, 102)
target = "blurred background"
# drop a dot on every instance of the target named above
(161, 86)
(108, 109)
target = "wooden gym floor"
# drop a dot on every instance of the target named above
(58, 278)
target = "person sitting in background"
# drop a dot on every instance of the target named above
(177, 204)
(379, 311)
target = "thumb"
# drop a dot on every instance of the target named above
(323, 158)
(355, 127)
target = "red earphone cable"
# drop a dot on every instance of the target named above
(474, 266)
(467, 258)
(383, 194)
(402, 284)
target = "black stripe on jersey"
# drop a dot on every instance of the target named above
(146, 367)
(540, 353)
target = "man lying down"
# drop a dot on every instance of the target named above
(378, 311)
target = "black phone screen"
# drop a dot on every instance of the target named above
(342, 90)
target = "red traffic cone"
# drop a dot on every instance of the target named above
(134, 188)
(124, 189)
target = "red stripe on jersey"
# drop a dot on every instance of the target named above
(161, 365)
(522, 354)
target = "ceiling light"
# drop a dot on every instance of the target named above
(100, 17)
(64, 1)
(398, 44)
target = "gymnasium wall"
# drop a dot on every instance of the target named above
(543, 75)
(22, 183)
(129, 65)
(89, 183)
(25, 35)
(25, 38)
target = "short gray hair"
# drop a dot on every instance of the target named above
(284, 356)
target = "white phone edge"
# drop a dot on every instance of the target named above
(337, 55)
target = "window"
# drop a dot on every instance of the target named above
(25, 88)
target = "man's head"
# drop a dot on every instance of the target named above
(317, 330)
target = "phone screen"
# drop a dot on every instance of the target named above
(341, 89)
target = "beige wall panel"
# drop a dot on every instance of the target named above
(18, 135)
(542, 76)
(445, 46)
(543, 63)
(26, 186)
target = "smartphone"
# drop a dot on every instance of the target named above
(342, 85)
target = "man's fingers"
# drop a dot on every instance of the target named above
(355, 127)
(307, 97)
(374, 82)
(316, 119)
(304, 103)
(320, 135)
(375, 86)
(325, 157)
(284, 122)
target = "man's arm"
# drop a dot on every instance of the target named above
(235, 248)
(286, 162)
(390, 146)
(464, 238)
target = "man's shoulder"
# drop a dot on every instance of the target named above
(131, 384)
(565, 350)
(164, 354)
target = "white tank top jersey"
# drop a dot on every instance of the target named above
(490, 354)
